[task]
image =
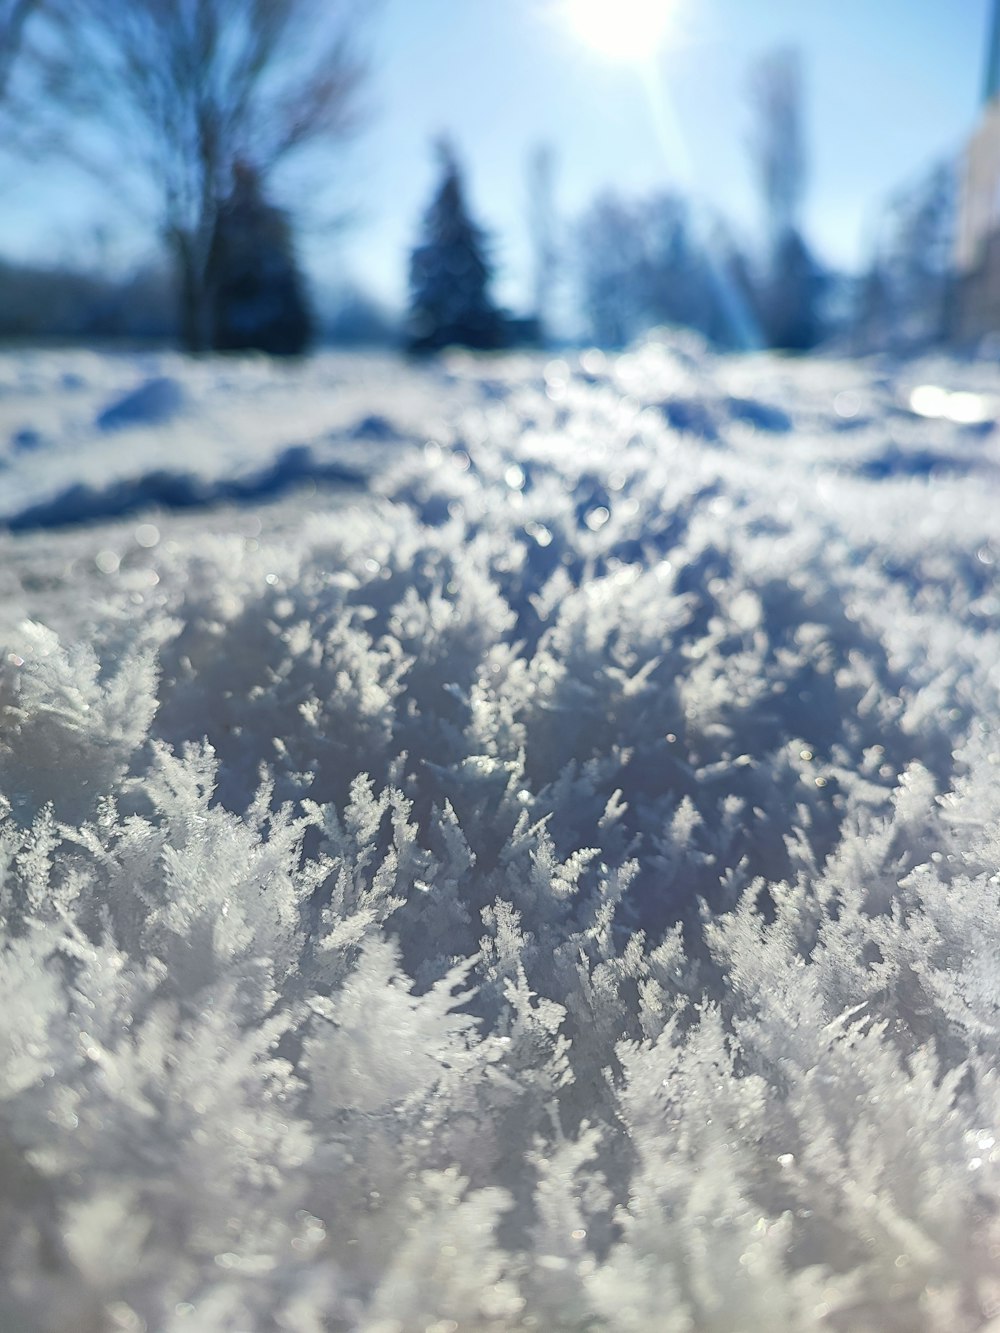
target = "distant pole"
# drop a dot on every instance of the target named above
(991, 86)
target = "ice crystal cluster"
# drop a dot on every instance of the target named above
(558, 891)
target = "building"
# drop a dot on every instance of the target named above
(976, 298)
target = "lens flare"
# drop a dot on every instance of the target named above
(620, 30)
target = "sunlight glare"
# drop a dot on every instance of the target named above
(620, 30)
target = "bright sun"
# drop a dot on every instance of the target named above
(621, 30)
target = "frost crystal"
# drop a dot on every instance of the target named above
(559, 892)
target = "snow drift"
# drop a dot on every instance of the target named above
(559, 892)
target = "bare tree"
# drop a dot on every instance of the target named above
(793, 285)
(17, 93)
(650, 261)
(778, 150)
(909, 294)
(542, 230)
(14, 15)
(185, 90)
(611, 253)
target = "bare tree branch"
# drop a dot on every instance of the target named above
(14, 15)
(778, 149)
(182, 91)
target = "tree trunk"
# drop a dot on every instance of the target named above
(194, 301)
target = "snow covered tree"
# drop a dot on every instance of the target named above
(179, 91)
(451, 272)
(257, 290)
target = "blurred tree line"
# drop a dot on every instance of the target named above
(638, 264)
(904, 298)
(202, 105)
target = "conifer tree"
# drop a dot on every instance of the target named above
(257, 290)
(451, 273)
(792, 294)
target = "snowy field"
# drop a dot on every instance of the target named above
(510, 844)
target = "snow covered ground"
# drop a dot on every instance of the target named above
(505, 844)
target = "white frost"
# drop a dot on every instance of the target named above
(556, 890)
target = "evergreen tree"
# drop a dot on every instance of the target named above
(257, 292)
(451, 273)
(791, 297)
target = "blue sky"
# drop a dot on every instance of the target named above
(891, 85)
